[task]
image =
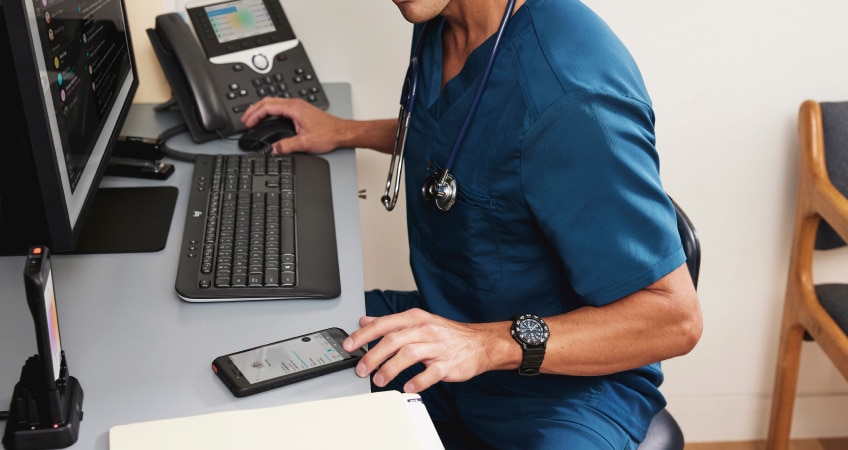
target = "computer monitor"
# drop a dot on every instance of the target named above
(74, 78)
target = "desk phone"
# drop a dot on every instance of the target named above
(234, 53)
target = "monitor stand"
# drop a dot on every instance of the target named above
(128, 220)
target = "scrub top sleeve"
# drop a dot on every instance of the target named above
(590, 175)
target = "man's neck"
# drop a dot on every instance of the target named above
(468, 24)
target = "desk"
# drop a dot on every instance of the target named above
(138, 351)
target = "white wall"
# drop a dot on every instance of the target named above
(727, 78)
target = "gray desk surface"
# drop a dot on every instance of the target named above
(138, 351)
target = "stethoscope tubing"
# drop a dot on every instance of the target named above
(484, 79)
(408, 99)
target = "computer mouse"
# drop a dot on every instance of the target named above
(265, 133)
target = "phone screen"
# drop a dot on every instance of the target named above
(52, 325)
(239, 19)
(288, 357)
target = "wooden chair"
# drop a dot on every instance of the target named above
(817, 312)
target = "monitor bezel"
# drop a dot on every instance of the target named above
(64, 211)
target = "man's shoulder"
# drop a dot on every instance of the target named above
(563, 45)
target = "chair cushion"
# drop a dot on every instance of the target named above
(835, 130)
(834, 299)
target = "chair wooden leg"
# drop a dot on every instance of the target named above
(785, 383)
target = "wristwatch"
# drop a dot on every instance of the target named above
(531, 333)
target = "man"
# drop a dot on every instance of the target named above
(559, 213)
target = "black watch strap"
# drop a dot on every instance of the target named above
(532, 361)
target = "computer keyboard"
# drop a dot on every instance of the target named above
(259, 227)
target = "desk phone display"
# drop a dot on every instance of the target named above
(284, 362)
(238, 52)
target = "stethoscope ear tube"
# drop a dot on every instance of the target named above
(407, 104)
(396, 164)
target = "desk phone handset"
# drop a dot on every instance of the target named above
(240, 52)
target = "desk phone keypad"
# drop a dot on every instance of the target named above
(301, 83)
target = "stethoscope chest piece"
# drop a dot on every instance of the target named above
(441, 188)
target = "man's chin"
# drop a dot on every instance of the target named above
(414, 12)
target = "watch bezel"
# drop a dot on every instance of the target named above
(520, 334)
(532, 336)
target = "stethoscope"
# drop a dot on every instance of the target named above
(440, 186)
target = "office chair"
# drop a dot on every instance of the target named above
(664, 433)
(810, 311)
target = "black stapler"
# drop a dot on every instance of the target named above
(139, 157)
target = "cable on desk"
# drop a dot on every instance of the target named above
(189, 157)
(171, 152)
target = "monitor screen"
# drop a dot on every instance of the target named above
(75, 76)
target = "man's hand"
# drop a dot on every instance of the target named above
(317, 131)
(451, 351)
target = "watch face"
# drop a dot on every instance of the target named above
(532, 331)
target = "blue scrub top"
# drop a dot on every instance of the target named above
(560, 203)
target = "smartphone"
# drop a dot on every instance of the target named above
(41, 297)
(284, 362)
